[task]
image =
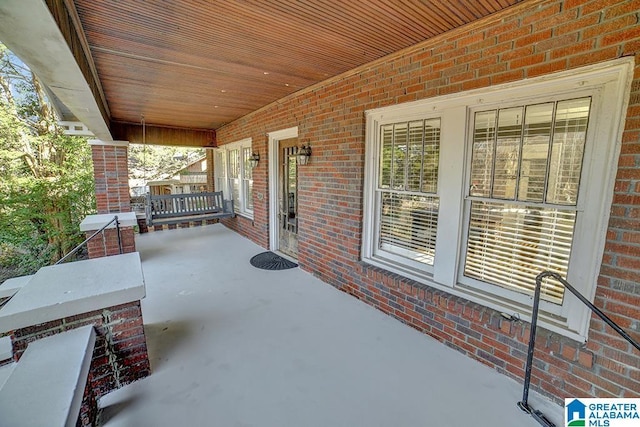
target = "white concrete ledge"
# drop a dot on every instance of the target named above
(6, 349)
(96, 222)
(59, 291)
(10, 286)
(47, 384)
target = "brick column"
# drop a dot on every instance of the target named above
(210, 171)
(111, 174)
(106, 242)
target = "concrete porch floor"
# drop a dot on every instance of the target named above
(231, 346)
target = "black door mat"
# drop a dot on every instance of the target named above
(271, 261)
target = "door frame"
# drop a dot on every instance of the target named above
(274, 169)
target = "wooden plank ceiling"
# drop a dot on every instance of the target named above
(200, 64)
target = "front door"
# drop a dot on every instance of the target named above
(288, 197)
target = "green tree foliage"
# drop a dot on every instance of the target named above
(154, 162)
(46, 178)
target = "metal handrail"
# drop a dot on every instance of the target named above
(524, 404)
(77, 248)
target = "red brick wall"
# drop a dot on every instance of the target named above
(210, 171)
(119, 357)
(111, 174)
(531, 39)
(258, 228)
(106, 243)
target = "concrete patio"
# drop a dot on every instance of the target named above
(231, 345)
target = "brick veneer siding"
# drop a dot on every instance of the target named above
(185, 224)
(533, 38)
(106, 243)
(210, 171)
(111, 174)
(257, 229)
(120, 355)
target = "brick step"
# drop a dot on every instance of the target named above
(47, 385)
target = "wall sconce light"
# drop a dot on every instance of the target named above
(254, 159)
(304, 153)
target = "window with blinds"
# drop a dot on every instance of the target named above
(525, 176)
(247, 178)
(407, 187)
(220, 173)
(233, 175)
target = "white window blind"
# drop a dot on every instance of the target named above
(525, 176)
(408, 181)
(234, 176)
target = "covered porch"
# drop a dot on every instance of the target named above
(232, 345)
(237, 346)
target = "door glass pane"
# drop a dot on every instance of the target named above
(290, 201)
(293, 172)
(567, 150)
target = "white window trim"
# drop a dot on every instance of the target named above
(609, 83)
(228, 192)
(274, 138)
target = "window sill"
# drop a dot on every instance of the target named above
(245, 215)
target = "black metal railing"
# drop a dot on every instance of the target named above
(77, 248)
(524, 404)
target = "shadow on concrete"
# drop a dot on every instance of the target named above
(164, 338)
(111, 412)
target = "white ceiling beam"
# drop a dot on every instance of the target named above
(28, 30)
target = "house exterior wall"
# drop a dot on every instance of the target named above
(534, 38)
(198, 166)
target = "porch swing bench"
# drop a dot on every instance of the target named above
(179, 208)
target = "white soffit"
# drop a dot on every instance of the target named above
(28, 30)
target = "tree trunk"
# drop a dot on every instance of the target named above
(46, 113)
